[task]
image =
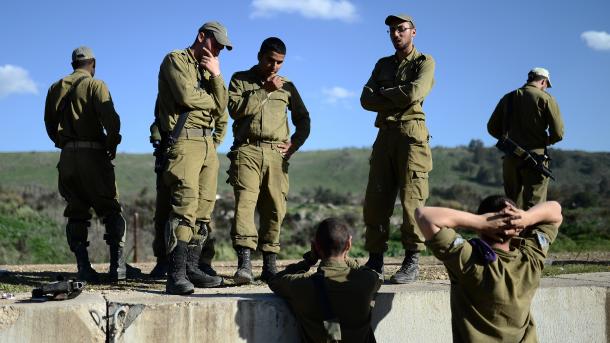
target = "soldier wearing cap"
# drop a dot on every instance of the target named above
(258, 102)
(529, 116)
(190, 84)
(401, 157)
(81, 120)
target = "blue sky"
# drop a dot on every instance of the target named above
(483, 49)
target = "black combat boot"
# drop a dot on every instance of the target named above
(207, 268)
(177, 283)
(118, 268)
(375, 262)
(207, 255)
(85, 271)
(194, 274)
(160, 269)
(269, 268)
(409, 271)
(243, 275)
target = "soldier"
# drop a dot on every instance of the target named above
(340, 291)
(401, 157)
(163, 204)
(531, 118)
(258, 100)
(493, 277)
(81, 120)
(192, 98)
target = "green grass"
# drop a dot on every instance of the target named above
(552, 270)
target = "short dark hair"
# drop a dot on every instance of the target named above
(82, 63)
(494, 203)
(531, 77)
(332, 235)
(273, 44)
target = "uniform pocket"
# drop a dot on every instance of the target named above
(417, 186)
(420, 157)
(415, 130)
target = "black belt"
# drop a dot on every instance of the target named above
(84, 145)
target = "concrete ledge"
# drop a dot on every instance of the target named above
(569, 308)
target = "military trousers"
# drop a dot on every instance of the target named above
(399, 164)
(525, 186)
(259, 176)
(191, 176)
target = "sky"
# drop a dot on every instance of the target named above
(483, 49)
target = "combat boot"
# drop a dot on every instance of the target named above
(160, 269)
(118, 268)
(269, 267)
(85, 271)
(375, 262)
(243, 275)
(177, 283)
(194, 274)
(207, 268)
(409, 271)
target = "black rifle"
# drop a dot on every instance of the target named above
(530, 159)
(59, 290)
(161, 152)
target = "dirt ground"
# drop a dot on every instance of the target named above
(22, 278)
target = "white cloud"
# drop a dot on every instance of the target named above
(337, 93)
(596, 40)
(14, 79)
(313, 9)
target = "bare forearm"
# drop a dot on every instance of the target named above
(432, 219)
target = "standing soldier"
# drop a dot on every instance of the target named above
(258, 100)
(192, 98)
(401, 157)
(163, 201)
(80, 119)
(530, 117)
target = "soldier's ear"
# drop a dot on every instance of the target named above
(201, 37)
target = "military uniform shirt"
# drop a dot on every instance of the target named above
(492, 302)
(88, 115)
(404, 82)
(261, 116)
(351, 289)
(532, 112)
(183, 87)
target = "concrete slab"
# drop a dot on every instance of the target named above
(52, 321)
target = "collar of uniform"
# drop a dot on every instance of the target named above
(255, 75)
(190, 55)
(410, 57)
(529, 85)
(333, 263)
(81, 71)
(513, 252)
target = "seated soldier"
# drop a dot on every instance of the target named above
(495, 276)
(335, 303)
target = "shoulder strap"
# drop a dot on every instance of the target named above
(63, 103)
(331, 322)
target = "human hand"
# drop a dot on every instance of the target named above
(210, 63)
(273, 83)
(286, 149)
(111, 152)
(519, 219)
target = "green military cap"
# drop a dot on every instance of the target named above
(399, 17)
(219, 32)
(82, 53)
(542, 72)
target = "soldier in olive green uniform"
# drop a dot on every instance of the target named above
(163, 202)
(530, 117)
(190, 84)
(401, 157)
(258, 102)
(340, 289)
(493, 277)
(80, 119)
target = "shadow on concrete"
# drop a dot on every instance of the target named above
(383, 306)
(254, 309)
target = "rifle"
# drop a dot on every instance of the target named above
(530, 159)
(59, 290)
(162, 150)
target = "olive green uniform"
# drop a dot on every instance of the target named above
(351, 290)
(192, 168)
(258, 171)
(534, 122)
(86, 130)
(401, 157)
(491, 302)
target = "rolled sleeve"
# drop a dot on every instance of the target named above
(455, 252)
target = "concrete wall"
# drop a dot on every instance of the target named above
(566, 309)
